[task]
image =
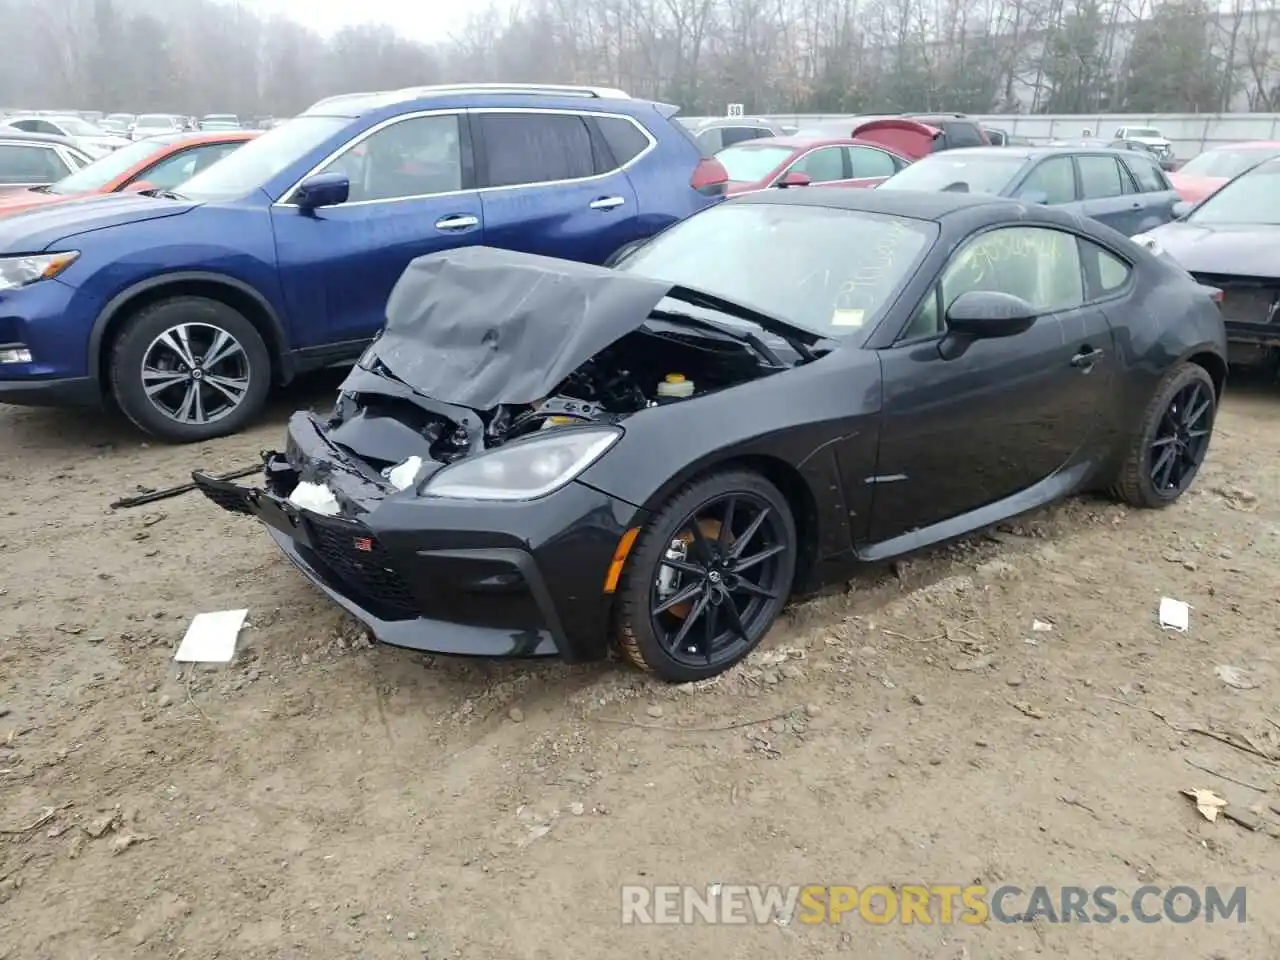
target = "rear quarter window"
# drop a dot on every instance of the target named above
(1147, 173)
(624, 139)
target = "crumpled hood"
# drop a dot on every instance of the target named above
(477, 327)
(34, 230)
(1243, 250)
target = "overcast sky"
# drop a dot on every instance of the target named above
(426, 20)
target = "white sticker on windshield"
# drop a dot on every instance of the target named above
(848, 318)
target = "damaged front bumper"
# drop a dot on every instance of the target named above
(519, 579)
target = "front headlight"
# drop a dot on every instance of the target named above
(19, 271)
(1149, 241)
(526, 469)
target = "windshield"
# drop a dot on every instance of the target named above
(1227, 163)
(749, 164)
(826, 270)
(1150, 133)
(80, 128)
(965, 173)
(220, 118)
(1253, 198)
(155, 121)
(101, 172)
(250, 167)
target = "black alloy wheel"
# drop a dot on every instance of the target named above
(708, 578)
(1172, 440)
(1182, 439)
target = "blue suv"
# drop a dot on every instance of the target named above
(184, 308)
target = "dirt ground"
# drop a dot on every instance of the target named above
(321, 798)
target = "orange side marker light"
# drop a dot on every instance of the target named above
(620, 559)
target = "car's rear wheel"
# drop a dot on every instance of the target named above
(1165, 454)
(190, 368)
(707, 577)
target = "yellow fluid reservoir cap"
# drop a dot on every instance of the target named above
(675, 378)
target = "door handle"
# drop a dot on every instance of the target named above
(457, 222)
(1086, 358)
(606, 203)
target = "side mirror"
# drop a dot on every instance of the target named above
(322, 190)
(139, 186)
(985, 315)
(1181, 209)
(795, 179)
(1034, 196)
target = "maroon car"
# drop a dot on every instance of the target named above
(874, 151)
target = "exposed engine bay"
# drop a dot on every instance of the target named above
(485, 346)
(646, 368)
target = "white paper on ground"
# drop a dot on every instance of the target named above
(315, 497)
(1174, 614)
(211, 637)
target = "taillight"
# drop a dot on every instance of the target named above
(710, 178)
(1215, 294)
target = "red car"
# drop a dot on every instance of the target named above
(155, 163)
(874, 151)
(1197, 179)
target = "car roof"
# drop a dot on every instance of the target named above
(1248, 145)
(914, 204)
(206, 136)
(359, 104)
(11, 133)
(1025, 152)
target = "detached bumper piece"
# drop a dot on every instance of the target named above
(490, 601)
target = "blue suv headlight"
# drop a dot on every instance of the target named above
(20, 271)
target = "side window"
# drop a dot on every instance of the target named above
(1099, 177)
(29, 125)
(962, 134)
(1040, 265)
(21, 164)
(1054, 178)
(1147, 173)
(731, 135)
(822, 166)
(171, 171)
(711, 141)
(623, 137)
(869, 162)
(534, 148)
(413, 158)
(1110, 272)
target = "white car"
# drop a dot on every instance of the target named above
(1149, 137)
(154, 125)
(91, 139)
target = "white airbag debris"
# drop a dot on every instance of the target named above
(314, 497)
(402, 475)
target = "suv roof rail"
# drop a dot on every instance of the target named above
(412, 93)
(568, 89)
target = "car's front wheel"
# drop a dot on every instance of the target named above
(707, 577)
(190, 368)
(1165, 453)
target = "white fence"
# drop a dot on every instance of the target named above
(1190, 133)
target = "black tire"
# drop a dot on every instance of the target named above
(637, 625)
(1134, 484)
(206, 319)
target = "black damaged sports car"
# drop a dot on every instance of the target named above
(539, 457)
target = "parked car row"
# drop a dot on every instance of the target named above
(183, 306)
(234, 262)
